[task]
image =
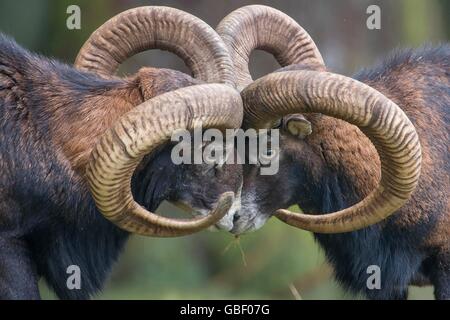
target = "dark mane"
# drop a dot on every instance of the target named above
(44, 201)
(51, 117)
(336, 166)
(403, 246)
(398, 59)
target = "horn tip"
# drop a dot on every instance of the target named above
(226, 200)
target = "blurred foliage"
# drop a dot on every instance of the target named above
(277, 256)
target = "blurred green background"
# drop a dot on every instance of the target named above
(276, 262)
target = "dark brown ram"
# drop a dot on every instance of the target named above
(328, 165)
(71, 139)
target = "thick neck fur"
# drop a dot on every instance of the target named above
(52, 116)
(69, 107)
(350, 166)
(75, 108)
(346, 153)
(346, 168)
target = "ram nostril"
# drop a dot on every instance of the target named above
(236, 218)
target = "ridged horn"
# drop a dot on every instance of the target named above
(138, 133)
(386, 125)
(154, 27)
(261, 27)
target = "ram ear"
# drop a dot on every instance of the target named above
(297, 125)
(153, 81)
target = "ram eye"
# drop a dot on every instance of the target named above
(277, 124)
(269, 155)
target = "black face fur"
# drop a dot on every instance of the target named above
(194, 186)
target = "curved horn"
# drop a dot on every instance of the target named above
(260, 27)
(138, 133)
(386, 125)
(145, 28)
